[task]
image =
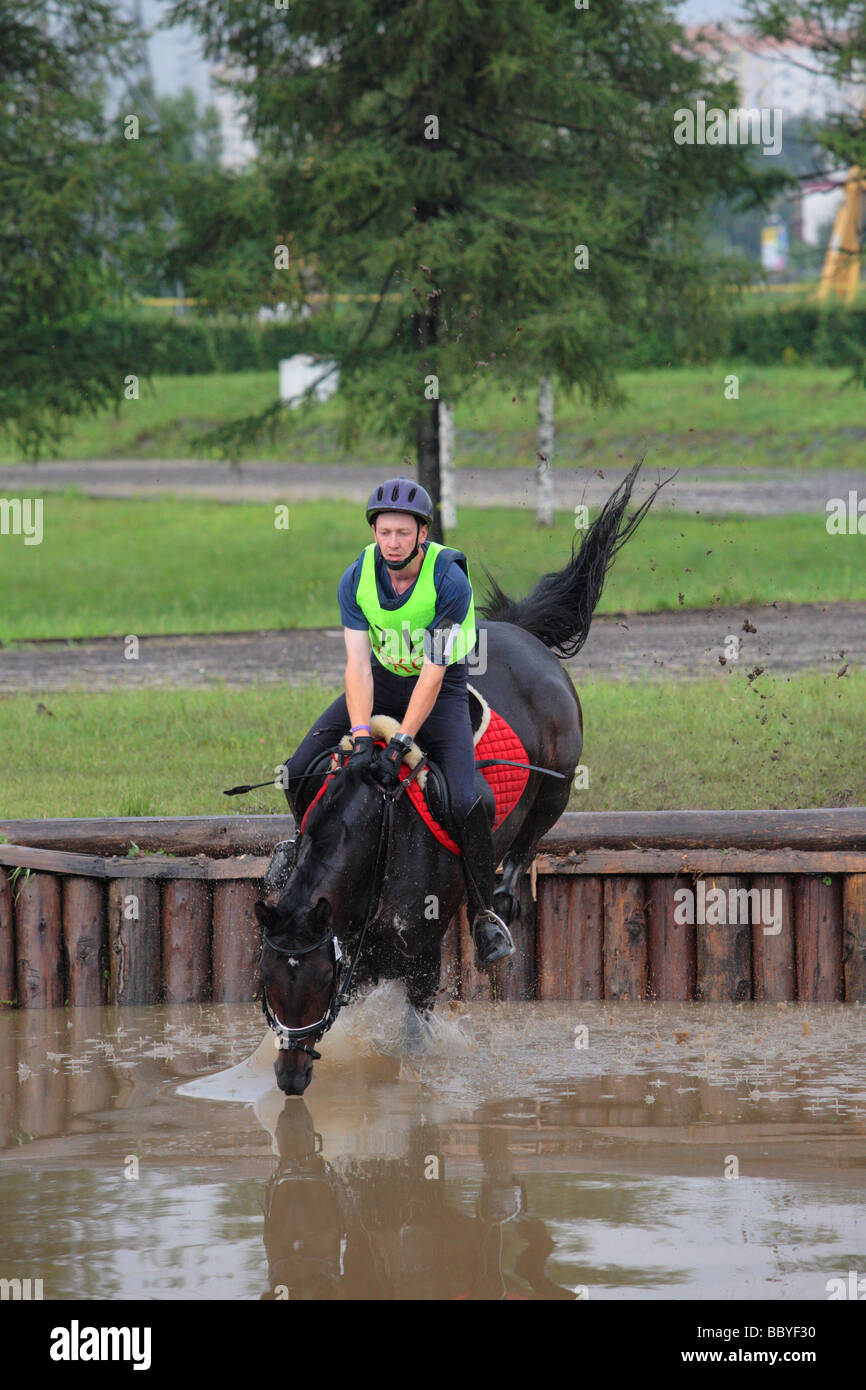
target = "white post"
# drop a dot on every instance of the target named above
(297, 374)
(544, 456)
(447, 489)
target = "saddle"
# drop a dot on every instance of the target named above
(500, 787)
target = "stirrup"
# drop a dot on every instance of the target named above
(501, 952)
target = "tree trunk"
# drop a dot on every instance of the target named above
(446, 467)
(544, 456)
(424, 326)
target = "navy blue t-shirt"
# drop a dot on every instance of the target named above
(453, 596)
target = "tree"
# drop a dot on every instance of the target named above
(174, 155)
(57, 162)
(503, 178)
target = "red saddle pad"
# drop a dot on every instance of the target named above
(507, 783)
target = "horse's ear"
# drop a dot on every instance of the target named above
(322, 912)
(267, 916)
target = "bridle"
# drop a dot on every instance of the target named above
(297, 1039)
(294, 1037)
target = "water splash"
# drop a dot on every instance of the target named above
(380, 1024)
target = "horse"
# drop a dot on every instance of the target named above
(370, 876)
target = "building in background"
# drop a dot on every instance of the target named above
(238, 148)
(177, 62)
(773, 74)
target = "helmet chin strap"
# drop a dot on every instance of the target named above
(401, 564)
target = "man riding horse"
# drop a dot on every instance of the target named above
(408, 615)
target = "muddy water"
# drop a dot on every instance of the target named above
(147, 1153)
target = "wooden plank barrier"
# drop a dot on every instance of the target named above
(671, 945)
(818, 936)
(7, 943)
(724, 946)
(854, 927)
(134, 940)
(84, 935)
(186, 922)
(38, 942)
(235, 941)
(672, 905)
(774, 977)
(625, 939)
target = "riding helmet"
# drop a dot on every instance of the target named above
(400, 495)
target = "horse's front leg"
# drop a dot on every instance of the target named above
(422, 980)
(422, 983)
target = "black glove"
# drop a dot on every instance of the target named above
(361, 756)
(388, 763)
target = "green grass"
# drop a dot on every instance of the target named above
(647, 747)
(163, 566)
(799, 417)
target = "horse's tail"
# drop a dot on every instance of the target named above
(559, 609)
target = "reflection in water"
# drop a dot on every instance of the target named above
(384, 1228)
(503, 1162)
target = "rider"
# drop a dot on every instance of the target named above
(408, 617)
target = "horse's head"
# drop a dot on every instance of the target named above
(326, 897)
(298, 982)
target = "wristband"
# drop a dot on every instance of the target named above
(355, 727)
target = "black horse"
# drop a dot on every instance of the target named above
(328, 897)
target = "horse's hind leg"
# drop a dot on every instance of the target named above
(548, 806)
(505, 900)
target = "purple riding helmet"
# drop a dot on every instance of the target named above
(401, 495)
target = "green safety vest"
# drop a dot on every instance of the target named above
(401, 648)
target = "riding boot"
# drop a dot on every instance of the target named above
(492, 938)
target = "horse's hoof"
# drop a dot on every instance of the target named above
(493, 940)
(279, 869)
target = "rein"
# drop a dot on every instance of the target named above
(293, 1038)
(479, 762)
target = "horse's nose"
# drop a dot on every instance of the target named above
(294, 1081)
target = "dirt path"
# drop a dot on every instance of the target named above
(716, 490)
(685, 644)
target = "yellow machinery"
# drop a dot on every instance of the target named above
(841, 270)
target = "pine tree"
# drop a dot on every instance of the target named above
(57, 154)
(500, 178)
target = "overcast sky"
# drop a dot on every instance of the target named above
(708, 11)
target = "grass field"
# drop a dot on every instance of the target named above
(163, 566)
(796, 417)
(669, 745)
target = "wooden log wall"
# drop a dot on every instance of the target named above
(83, 922)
